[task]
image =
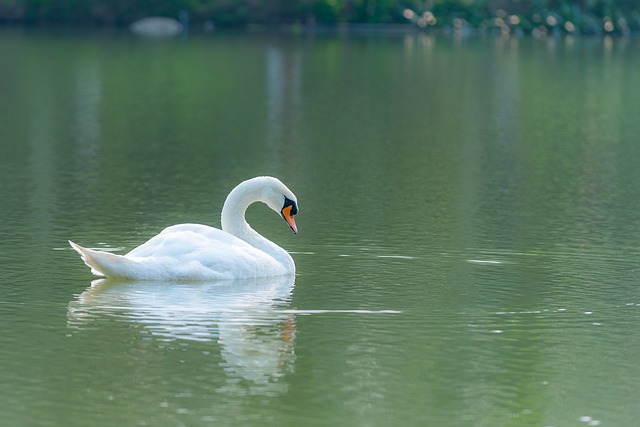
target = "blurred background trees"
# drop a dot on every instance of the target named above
(545, 16)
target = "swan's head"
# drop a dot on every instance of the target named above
(289, 209)
(279, 198)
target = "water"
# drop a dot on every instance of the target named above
(468, 247)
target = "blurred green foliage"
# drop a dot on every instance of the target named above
(585, 16)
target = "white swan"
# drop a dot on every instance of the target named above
(200, 252)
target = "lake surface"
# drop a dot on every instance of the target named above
(468, 248)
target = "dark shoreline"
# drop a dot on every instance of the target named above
(539, 18)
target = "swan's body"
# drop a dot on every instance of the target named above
(200, 252)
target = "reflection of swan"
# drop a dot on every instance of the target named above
(246, 318)
(200, 252)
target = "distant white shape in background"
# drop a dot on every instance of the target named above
(157, 26)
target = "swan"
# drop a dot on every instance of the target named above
(198, 252)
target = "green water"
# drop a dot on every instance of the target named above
(468, 246)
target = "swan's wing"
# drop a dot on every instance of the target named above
(217, 250)
(182, 239)
(211, 233)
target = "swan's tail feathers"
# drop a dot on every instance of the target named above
(102, 263)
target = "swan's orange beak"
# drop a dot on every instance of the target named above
(286, 214)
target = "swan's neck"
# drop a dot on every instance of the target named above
(233, 222)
